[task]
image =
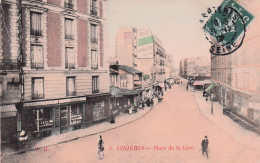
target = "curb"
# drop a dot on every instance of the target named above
(77, 138)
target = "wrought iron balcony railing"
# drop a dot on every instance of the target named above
(94, 40)
(9, 64)
(37, 95)
(70, 65)
(68, 5)
(93, 10)
(72, 93)
(95, 91)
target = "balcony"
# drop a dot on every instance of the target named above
(94, 40)
(69, 37)
(9, 64)
(38, 96)
(95, 91)
(94, 66)
(68, 5)
(72, 93)
(37, 65)
(93, 11)
(70, 65)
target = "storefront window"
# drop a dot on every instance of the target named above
(63, 119)
(38, 120)
(76, 114)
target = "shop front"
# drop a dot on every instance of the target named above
(43, 118)
(98, 108)
(8, 123)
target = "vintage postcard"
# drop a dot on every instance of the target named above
(135, 81)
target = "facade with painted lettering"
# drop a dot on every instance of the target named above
(61, 47)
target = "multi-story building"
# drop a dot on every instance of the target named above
(140, 49)
(236, 76)
(197, 67)
(52, 64)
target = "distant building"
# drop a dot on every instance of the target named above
(197, 67)
(140, 49)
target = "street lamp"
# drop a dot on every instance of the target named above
(211, 103)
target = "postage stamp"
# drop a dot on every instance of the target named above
(226, 28)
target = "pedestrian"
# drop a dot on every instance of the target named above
(187, 87)
(204, 146)
(101, 148)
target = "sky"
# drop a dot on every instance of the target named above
(175, 22)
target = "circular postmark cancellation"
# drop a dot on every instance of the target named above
(225, 30)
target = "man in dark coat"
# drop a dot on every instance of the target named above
(204, 145)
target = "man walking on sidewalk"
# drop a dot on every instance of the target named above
(204, 146)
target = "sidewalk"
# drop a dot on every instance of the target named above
(120, 120)
(233, 129)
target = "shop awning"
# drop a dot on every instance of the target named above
(254, 102)
(197, 83)
(209, 88)
(8, 110)
(120, 92)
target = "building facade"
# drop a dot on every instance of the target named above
(58, 49)
(125, 87)
(237, 75)
(140, 49)
(197, 67)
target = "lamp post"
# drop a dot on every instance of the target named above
(211, 103)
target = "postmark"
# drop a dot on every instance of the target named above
(226, 28)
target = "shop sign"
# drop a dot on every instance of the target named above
(40, 103)
(53, 102)
(72, 100)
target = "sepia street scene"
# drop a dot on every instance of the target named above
(138, 81)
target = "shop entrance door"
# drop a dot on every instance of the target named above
(63, 119)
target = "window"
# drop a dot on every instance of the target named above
(71, 91)
(70, 58)
(36, 56)
(36, 24)
(69, 29)
(94, 59)
(94, 7)
(94, 33)
(123, 81)
(37, 88)
(68, 4)
(95, 84)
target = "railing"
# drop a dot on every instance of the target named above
(38, 96)
(68, 5)
(9, 64)
(70, 65)
(37, 65)
(94, 66)
(69, 36)
(95, 91)
(93, 10)
(94, 40)
(73, 93)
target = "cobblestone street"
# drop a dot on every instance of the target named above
(177, 122)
